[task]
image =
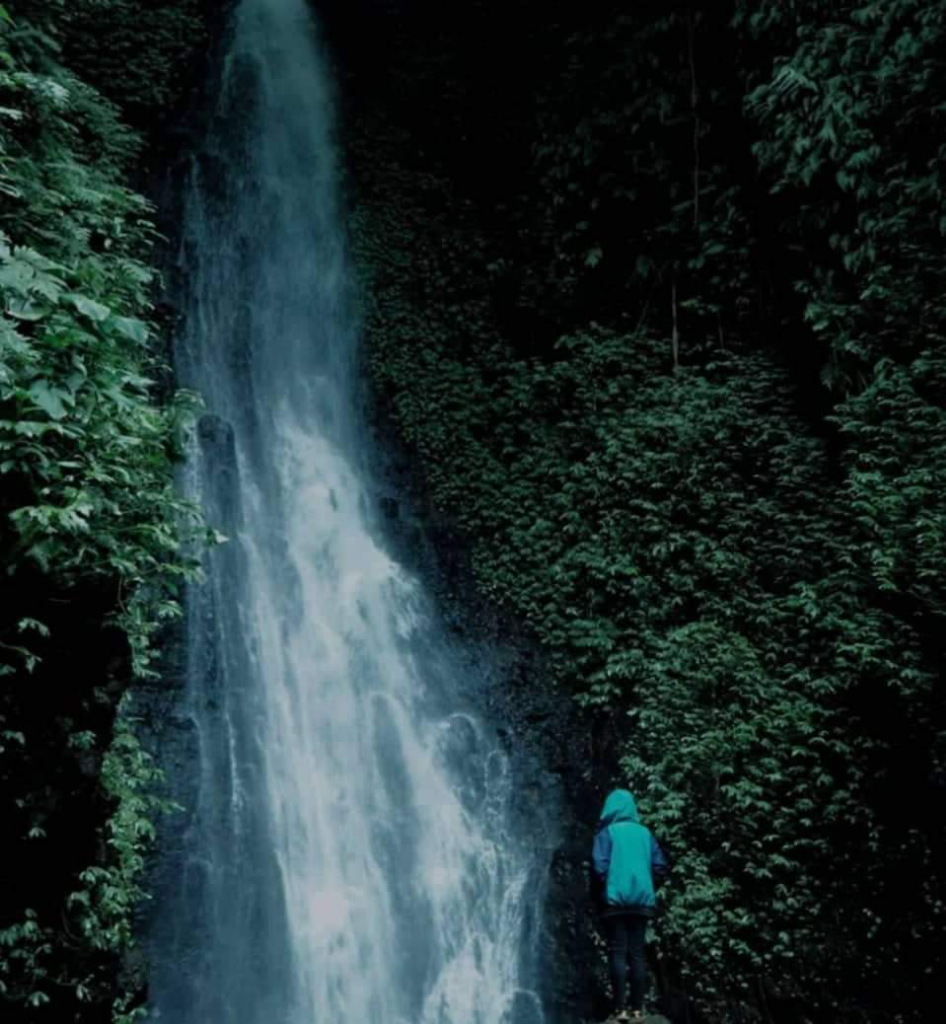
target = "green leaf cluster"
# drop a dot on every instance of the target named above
(94, 540)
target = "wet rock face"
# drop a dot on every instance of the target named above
(166, 721)
(219, 466)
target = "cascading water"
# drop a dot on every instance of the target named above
(346, 849)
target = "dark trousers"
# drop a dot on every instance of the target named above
(625, 934)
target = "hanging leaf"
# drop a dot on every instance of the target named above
(134, 330)
(27, 309)
(95, 311)
(49, 399)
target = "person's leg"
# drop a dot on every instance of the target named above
(616, 931)
(636, 929)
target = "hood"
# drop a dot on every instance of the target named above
(619, 806)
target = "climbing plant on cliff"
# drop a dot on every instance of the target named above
(702, 460)
(91, 533)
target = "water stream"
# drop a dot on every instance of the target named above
(347, 848)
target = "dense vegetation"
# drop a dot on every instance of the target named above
(91, 533)
(657, 300)
(667, 340)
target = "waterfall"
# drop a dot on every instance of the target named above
(347, 848)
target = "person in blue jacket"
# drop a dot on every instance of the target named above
(627, 867)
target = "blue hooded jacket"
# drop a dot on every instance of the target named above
(626, 858)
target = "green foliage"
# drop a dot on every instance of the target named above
(139, 56)
(703, 464)
(85, 452)
(895, 487)
(850, 128)
(81, 441)
(98, 914)
(92, 535)
(640, 207)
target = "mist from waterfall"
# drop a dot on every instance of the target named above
(348, 848)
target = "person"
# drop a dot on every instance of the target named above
(627, 867)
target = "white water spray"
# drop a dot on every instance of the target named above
(348, 852)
